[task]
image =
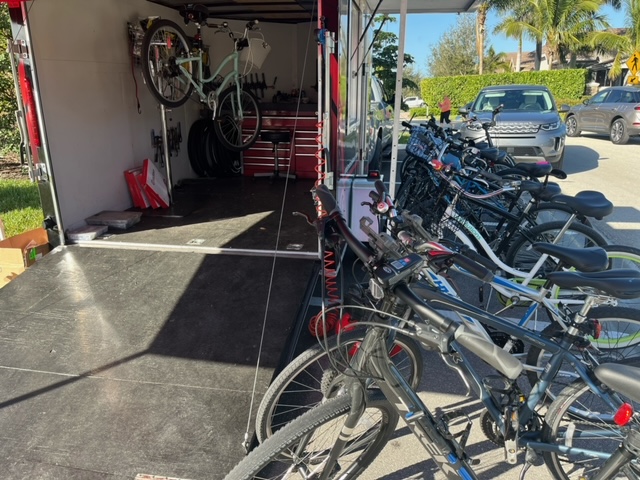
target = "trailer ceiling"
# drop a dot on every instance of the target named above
(297, 11)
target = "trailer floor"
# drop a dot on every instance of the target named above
(117, 363)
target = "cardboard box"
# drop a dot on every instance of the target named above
(21, 251)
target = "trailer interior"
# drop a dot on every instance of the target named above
(144, 353)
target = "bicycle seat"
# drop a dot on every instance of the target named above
(540, 190)
(587, 203)
(591, 259)
(623, 283)
(621, 378)
(535, 170)
(195, 13)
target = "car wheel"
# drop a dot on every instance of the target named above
(619, 134)
(572, 126)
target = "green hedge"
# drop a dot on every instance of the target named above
(567, 85)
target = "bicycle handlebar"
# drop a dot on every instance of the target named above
(329, 204)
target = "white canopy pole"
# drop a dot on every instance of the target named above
(396, 107)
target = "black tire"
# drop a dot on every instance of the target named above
(618, 342)
(619, 133)
(318, 429)
(234, 133)
(299, 387)
(522, 257)
(582, 419)
(194, 144)
(622, 256)
(163, 42)
(573, 129)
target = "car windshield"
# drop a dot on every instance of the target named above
(514, 100)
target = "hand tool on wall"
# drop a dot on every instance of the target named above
(263, 85)
(156, 143)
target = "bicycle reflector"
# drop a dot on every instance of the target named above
(623, 415)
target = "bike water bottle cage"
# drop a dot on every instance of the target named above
(194, 12)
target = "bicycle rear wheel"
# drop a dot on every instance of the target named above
(164, 43)
(306, 381)
(619, 342)
(583, 420)
(300, 450)
(238, 119)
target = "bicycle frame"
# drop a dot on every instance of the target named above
(449, 455)
(231, 76)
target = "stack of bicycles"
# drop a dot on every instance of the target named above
(332, 410)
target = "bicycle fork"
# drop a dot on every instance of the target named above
(628, 451)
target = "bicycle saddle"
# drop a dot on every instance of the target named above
(535, 170)
(194, 12)
(621, 283)
(592, 259)
(587, 203)
(621, 378)
(540, 190)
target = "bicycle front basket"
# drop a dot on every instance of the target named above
(417, 144)
(255, 54)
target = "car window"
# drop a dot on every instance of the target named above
(615, 96)
(630, 97)
(529, 99)
(599, 97)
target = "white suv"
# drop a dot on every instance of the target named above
(414, 102)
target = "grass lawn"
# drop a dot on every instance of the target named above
(20, 208)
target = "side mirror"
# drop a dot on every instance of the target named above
(564, 108)
(463, 110)
(585, 101)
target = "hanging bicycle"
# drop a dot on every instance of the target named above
(173, 67)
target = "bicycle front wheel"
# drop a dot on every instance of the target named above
(580, 422)
(238, 119)
(308, 379)
(300, 450)
(164, 45)
(523, 257)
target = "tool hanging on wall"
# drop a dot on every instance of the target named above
(263, 85)
(156, 143)
(174, 139)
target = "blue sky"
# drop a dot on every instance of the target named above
(425, 30)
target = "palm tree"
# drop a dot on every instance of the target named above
(512, 27)
(624, 44)
(496, 62)
(481, 23)
(562, 24)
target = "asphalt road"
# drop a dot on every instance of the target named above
(592, 163)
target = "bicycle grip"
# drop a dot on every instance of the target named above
(476, 257)
(407, 125)
(381, 189)
(474, 268)
(251, 24)
(326, 198)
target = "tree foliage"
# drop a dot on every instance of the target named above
(385, 57)
(9, 136)
(455, 52)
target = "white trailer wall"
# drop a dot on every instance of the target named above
(88, 94)
(88, 98)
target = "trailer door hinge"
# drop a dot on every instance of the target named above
(39, 173)
(20, 48)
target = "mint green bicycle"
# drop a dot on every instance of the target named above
(173, 66)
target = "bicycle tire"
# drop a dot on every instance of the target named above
(574, 419)
(299, 387)
(163, 78)
(320, 428)
(619, 342)
(522, 257)
(194, 144)
(234, 133)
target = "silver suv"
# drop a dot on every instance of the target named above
(528, 126)
(614, 111)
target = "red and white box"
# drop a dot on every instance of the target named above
(154, 185)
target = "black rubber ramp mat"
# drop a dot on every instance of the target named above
(115, 363)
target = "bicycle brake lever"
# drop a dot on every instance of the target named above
(305, 216)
